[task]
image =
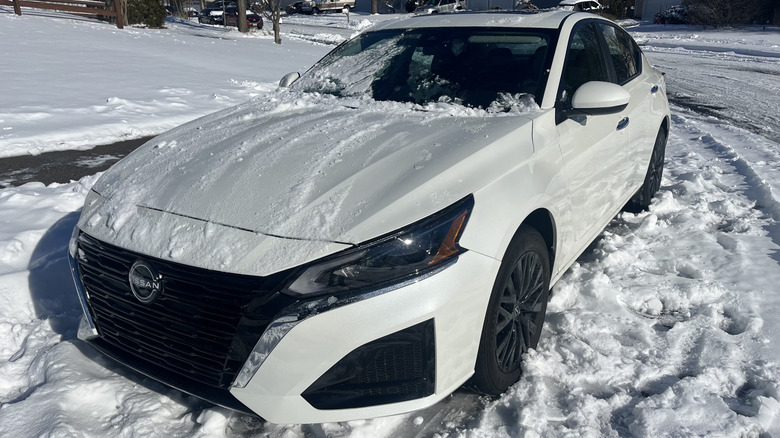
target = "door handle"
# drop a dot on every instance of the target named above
(622, 123)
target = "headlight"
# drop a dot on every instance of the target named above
(396, 257)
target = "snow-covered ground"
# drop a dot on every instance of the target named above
(70, 84)
(669, 325)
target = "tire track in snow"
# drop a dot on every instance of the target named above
(760, 190)
(761, 168)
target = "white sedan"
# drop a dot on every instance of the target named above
(380, 230)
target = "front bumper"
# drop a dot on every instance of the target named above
(448, 305)
(455, 299)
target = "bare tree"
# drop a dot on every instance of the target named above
(272, 10)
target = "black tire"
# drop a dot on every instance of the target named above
(316, 10)
(515, 314)
(655, 171)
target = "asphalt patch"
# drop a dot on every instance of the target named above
(64, 166)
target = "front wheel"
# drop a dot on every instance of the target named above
(655, 171)
(515, 314)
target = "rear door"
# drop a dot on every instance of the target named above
(626, 60)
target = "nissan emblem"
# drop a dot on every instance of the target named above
(145, 282)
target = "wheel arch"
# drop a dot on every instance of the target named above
(665, 125)
(542, 221)
(492, 374)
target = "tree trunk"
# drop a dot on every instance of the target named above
(374, 7)
(277, 29)
(123, 5)
(242, 25)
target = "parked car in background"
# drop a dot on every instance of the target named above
(580, 5)
(382, 230)
(229, 17)
(294, 8)
(210, 16)
(316, 7)
(438, 6)
(219, 4)
(252, 19)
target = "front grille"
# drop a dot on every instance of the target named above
(200, 329)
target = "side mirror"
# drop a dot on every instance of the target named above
(597, 97)
(288, 79)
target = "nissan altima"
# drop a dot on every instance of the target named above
(381, 229)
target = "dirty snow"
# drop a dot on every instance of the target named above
(669, 325)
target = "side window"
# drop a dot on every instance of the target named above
(584, 62)
(622, 52)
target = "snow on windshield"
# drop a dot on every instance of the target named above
(350, 75)
(478, 68)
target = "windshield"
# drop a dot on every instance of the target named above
(474, 67)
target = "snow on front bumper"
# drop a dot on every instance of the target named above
(455, 300)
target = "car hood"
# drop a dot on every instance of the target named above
(270, 185)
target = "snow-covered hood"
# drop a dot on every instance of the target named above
(270, 185)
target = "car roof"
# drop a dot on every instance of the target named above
(518, 19)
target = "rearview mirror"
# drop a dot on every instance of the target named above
(598, 97)
(288, 79)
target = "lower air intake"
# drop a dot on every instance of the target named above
(392, 369)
